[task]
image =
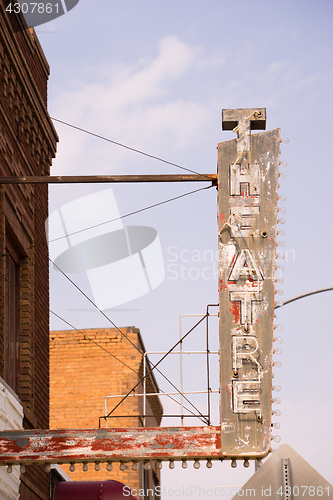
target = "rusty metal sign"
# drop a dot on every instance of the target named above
(247, 218)
(102, 445)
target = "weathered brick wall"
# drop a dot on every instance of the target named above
(27, 145)
(83, 371)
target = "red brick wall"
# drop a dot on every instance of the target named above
(83, 371)
(27, 145)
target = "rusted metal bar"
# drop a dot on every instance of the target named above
(81, 179)
(91, 445)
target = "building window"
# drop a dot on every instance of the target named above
(11, 324)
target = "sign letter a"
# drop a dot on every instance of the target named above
(245, 265)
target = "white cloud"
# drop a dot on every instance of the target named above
(132, 104)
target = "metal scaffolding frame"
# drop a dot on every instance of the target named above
(145, 394)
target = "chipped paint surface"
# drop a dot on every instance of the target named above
(247, 182)
(56, 446)
(247, 235)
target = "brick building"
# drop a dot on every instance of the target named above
(27, 145)
(84, 369)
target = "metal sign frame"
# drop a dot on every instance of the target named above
(247, 215)
(247, 212)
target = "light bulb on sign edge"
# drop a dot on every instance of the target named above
(159, 464)
(282, 210)
(85, 467)
(276, 425)
(47, 468)
(135, 466)
(122, 466)
(72, 467)
(277, 351)
(285, 141)
(246, 463)
(277, 401)
(278, 340)
(279, 303)
(276, 413)
(184, 463)
(283, 163)
(97, 466)
(280, 244)
(109, 467)
(281, 232)
(276, 388)
(196, 464)
(277, 439)
(281, 221)
(209, 464)
(283, 175)
(280, 281)
(22, 469)
(233, 463)
(9, 469)
(171, 464)
(279, 256)
(146, 466)
(282, 197)
(279, 328)
(279, 292)
(278, 364)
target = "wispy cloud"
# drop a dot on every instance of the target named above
(134, 104)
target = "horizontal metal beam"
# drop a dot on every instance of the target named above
(81, 179)
(103, 445)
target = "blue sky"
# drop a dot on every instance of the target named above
(155, 76)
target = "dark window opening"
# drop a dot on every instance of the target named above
(11, 324)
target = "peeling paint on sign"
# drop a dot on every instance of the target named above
(248, 185)
(89, 445)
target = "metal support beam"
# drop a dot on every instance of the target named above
(82, 179)
(103, 445)
(286, 479)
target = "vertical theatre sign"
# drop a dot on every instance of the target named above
(248, 171)
(247, 218)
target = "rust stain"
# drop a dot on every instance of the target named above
(222, 285)
(109, 444)
(235, 311)
(222, 218)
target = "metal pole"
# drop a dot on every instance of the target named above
(144, 389)
(106, 411)
(81, 179)
(181, 374)
(208, 353)
(304, 295)
(181, 352)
